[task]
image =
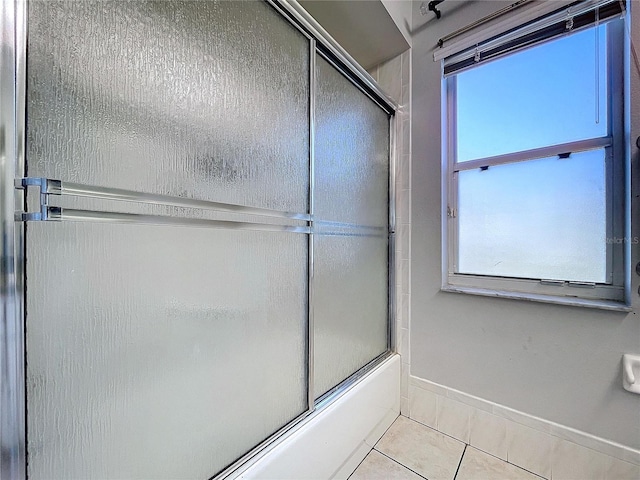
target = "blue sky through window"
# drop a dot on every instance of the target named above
(537, 97)
(540, 219)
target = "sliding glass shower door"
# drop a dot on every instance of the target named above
(207, 233)
(164, 351)
(351, 187)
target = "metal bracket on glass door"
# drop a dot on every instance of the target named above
(47, 187)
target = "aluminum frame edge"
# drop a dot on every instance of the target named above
(12, 366)
(325, 39)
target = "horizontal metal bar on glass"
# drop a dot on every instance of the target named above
(328, 225)
(336, 233)
(60, 214)
(57, 214)
(328, 228)
(63, 188)
(544, 152)
(48, 212)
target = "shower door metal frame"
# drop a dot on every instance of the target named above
(12, 278)
(13, 31)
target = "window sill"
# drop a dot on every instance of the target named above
(532, 297)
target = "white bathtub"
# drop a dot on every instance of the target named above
(332, 442)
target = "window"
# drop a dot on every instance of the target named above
(535, 163)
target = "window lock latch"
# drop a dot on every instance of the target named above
(582, 284)
(451, 213)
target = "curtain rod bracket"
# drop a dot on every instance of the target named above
(431, 7)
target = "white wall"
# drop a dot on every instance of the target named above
(558, 363)
(400, 11)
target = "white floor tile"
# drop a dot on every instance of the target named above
(477, 465)
(378, 466)
(412, 451)
(422, 449)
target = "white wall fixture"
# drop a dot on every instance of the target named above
(631, 372)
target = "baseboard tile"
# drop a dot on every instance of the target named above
(554, 430)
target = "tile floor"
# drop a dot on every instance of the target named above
(412, 451)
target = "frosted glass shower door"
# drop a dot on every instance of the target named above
(351, 188)
(159, 351)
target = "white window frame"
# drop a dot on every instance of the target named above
(613, 295)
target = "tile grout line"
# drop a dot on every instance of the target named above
(464, 451)
(512, 464)
(436, 430)
(548, 427)
(506, 461)
(479, 449)
(399, 463)
(385, 432)
(354, 471)
(460, 463)
(374, 448)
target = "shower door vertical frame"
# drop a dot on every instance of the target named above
(392, 278)
(311, 398)
(12, 340)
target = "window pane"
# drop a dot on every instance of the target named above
(538, 97)
(541, 219)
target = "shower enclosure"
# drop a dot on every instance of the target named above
(197, 233)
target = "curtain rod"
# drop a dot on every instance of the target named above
(482, 21)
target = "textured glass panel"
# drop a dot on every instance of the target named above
(203, 99)
(541, 219)
(159, 352)
(535, 98)
(351, 152)
(350, 298)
